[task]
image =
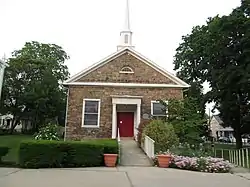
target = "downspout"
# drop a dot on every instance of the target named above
(66, 115)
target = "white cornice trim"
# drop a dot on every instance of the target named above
(136, 55)
(112, 84)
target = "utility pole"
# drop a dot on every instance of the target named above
(3, 65)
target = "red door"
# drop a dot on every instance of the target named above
(125, 121)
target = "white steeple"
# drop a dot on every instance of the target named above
(126, 34)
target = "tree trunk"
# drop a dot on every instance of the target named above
(238, 138)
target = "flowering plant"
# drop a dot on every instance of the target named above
(49, 132)
(203, 164)
(168, 152)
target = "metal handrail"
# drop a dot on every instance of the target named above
(118, 136)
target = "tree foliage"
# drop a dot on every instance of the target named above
(219, 53)
(187, 119)
(32, 87)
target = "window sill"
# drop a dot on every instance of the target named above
(160, 115)
(90, 126)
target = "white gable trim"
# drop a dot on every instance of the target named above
(136, 55)
(94, 66)
(115, 84)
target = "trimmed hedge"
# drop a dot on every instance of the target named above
(3, 151)
(54, 154)
(109, 146)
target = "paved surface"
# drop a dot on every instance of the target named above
(113, 177)
(132, 155)
(244, 175)
(240, 170)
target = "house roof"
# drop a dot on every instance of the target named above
(180, 83)
(218, 119)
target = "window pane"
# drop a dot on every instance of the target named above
(158, 109)
(91, 106)
(91, 119)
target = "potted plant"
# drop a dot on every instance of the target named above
(110, 160)
(164, 159)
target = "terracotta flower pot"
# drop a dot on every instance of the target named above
(110, 160)
(164, 160)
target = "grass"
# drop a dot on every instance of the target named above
(224, 146)
(12, 141)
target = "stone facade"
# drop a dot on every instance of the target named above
(110, 72)
(74, 129)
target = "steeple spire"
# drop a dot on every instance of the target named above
(127, 21)
(126, 34)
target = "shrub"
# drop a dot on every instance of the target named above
(49, 132)
(53, 154)
(3, 152)
(191, 150)
(162, 133)
(141, 127)
(109, 145)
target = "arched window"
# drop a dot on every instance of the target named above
(126, 69)
(126, 39)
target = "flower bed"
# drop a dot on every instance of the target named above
(203, 164)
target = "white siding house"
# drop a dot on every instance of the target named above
(218, 130)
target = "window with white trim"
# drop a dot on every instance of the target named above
(158, 109)
(91, 113)
(126, 69)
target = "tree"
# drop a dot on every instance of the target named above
(219, 53)
(32, 87)
(187, 119)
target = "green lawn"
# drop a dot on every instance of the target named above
(224, 146)
(12, 141)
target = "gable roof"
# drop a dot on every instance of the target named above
(218, 119)
(180, 83)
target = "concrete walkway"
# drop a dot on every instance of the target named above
(132, 155)
(113, 177)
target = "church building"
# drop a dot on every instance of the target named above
(113, 95)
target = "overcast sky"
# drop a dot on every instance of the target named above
(89, 30)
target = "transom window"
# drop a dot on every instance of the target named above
(157, 109)
(126, 69)
(91, 113)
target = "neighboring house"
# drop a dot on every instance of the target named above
(6, 120)
(116, 92)
(218, 130)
